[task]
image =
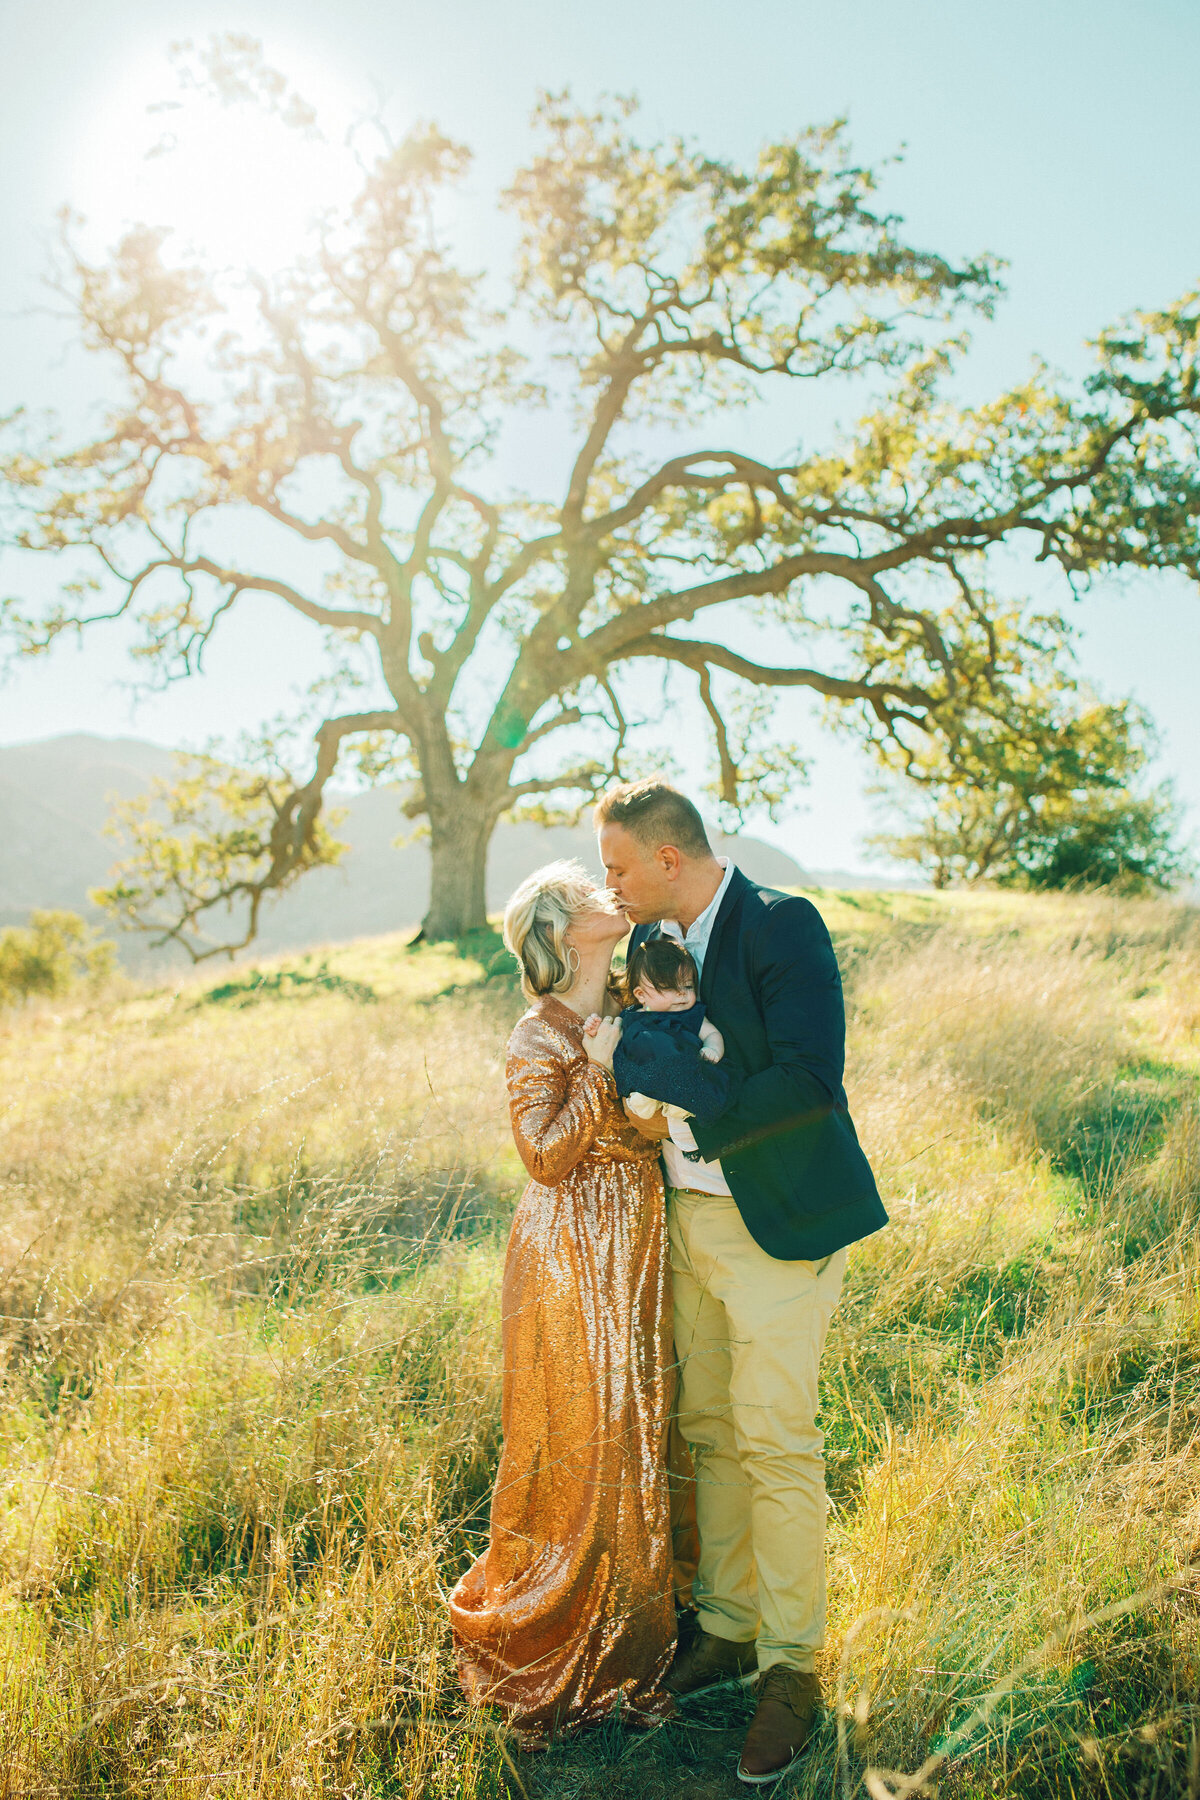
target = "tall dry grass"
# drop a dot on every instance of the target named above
(249, 1249)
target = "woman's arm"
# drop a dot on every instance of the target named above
(556, 1107)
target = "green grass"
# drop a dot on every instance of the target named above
(251, 1227)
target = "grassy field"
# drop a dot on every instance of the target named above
(250, 1234)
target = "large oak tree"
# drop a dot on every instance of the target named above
(363, 408)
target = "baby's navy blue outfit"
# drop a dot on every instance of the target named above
(659, 1055)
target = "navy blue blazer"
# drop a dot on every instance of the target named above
(787, 1144)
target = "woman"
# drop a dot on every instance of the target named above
(569, 1613)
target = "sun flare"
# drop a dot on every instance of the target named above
(235, 183)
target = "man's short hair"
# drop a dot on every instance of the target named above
(654, 813)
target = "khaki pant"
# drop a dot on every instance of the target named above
(749, 1332)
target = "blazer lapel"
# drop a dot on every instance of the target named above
(729, 905)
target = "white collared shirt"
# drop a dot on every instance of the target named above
(705, 1177)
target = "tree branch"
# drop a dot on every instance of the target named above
(627, 366)
(729, 774)
(588, 776)
(680, 471)
(287, 841)
(339, 618)
(170, 868)
(700, 656)
(570, 715)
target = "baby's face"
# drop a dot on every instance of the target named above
(652, 999)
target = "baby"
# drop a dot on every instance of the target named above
(664, 1023)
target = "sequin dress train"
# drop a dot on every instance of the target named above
(569, 1612)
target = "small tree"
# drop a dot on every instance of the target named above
(1044, 794)
(202, 841)
(50, 957)
(360, 415)
(1123, 840)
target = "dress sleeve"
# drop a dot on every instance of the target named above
(556, 1105)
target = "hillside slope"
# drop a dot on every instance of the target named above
(55, 798)
(251, 1230)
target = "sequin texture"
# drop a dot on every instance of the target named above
(569, 1612)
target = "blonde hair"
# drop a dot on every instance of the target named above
(537, 919)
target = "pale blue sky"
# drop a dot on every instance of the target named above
(1061, 134)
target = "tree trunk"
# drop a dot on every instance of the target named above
(459, 834)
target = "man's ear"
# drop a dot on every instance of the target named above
(669, 860)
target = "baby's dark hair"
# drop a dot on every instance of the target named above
(661, 962)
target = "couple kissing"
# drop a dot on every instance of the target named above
(658, 1520)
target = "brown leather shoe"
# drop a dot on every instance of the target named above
(709, 1662)
(687, 1624)
(789, 1701)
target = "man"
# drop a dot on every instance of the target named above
(761, 1205)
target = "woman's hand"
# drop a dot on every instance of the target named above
(600, 1044)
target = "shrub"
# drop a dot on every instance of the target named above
(51, 955)
(1109, 840)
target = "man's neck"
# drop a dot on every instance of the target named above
(701, 892)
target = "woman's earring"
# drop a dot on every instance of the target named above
(572, 959)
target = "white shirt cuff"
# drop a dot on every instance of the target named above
(681, 1132)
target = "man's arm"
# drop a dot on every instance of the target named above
(799, 992)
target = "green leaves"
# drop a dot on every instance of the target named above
(55, 953)
(686, 280)
(138, 302)
(232, 67)
(216, 837)
(1039, 787)
(1122, 840)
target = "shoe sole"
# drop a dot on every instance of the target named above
(774, 1776)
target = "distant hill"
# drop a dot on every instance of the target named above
(54, 803)
(55, 797)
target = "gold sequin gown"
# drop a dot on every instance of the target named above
(569, 1611)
